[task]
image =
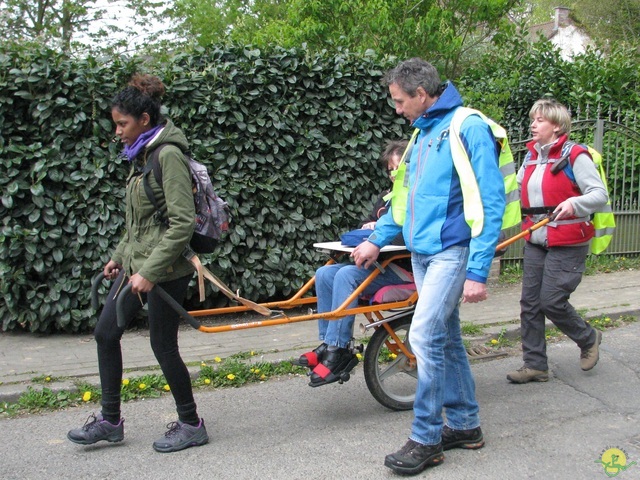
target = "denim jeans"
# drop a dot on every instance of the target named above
(445, 381)
(334, 284)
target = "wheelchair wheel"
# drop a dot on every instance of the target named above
(391, 377)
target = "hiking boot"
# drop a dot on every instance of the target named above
(96, 429)
(468, 439)
(526, 374)
(590, 356)
(180, 436)
(414, 457)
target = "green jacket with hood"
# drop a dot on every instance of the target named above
(148, 246)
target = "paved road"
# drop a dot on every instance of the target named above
(284, 430)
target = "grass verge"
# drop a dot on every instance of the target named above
(233, 371)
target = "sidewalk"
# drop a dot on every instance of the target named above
(26, 356)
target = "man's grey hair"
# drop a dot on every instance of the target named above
(414, 73)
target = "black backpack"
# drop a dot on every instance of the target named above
(212, 213)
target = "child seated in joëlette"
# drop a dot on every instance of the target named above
(336, 282)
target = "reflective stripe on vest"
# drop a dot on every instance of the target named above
(473, 210)
(603, 219)
(399, 194)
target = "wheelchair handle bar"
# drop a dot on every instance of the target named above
(95, 284)
(126, 290)
(179, 309)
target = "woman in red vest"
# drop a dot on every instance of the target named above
(558, 177)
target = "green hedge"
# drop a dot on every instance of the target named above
(291, 138)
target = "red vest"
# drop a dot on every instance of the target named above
(555, 190)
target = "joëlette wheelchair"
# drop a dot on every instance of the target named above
(389, 364)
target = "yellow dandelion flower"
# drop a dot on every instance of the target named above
(263, 376)
(207, 381)
(47, 379)
(203, 364)
(86, 397)
(231, 376)
(217, 359)
(142, 386)
(393, 356)
(359, 356)
(494, 341)
(252, 353)
(252, 370)
(257, 370)
(167, 388)
(125, 381)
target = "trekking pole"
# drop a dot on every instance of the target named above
(524, 233)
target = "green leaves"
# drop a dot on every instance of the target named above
(289, 137)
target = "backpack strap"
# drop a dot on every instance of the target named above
(153, 165)
(204, 272)
(566, 159)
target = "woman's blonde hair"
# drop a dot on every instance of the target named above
(553, 111)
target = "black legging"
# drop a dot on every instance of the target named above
(163, 329)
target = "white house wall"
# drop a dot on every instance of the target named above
(570, 41)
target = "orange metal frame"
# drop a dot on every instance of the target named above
(373, 312)
(299, 299)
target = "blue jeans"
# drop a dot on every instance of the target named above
(444, 376)
(334, 284)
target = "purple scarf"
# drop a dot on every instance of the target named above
(131, 152)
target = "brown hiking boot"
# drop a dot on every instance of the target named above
(526, 375)
(590, 356)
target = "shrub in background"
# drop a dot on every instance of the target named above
(291, 138)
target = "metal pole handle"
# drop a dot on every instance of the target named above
(126, 290)
(95, 284)
(524, 233)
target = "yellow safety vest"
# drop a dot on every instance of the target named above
(399, 193)
(473, 210)
(603, 219)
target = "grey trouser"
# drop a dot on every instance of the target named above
(550, 276)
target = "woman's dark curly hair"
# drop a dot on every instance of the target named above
(142, 95)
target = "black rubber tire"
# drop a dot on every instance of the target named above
(393, 382)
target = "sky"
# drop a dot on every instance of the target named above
(118, 14)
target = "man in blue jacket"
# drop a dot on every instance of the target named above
(449, 264)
